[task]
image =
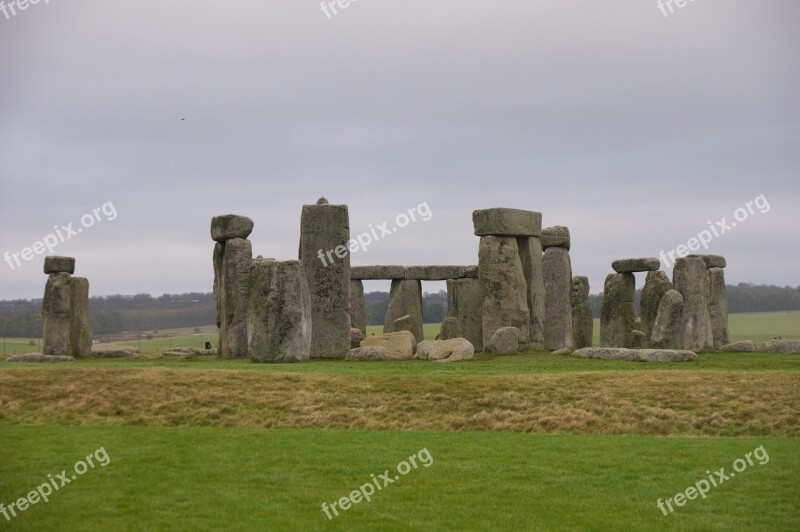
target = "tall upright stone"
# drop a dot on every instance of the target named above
(655, 286)
(56, 314)
(557, 269)
(324, 237)
(80, 323)
(405, 299)
(503, 287)
(358, 306)
(278, 312)
(718, 306)
(465, 303)
(233, 255)
(691, 279)
(618, 311)
(582, 320)
(530, 252)
(668, 326)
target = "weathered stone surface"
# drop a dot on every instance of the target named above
(56, 314)
(435, 273)
(278, 312)
(400, 344)
(369, 354)
(377, 273)
(228, 226)
(617, 311)
(503, 286)
(237, 256)
(356, 336)
(667, 328)
(530, 253)
(326, 228)
(38, 357)
(638, 340)
(781, 346)
(637, 324)
(505, 340)
(712, 261)
(114, 351)
(506, 222)
(718, 306)
(643, 355)
(649, 264)
(405, 299)
(471, 272)
(403, 323)
(217, 262)
(450, 328)
(558, 299)
(451, 350)
(465, 304)
(358, 306)
(80, 326)
(745, 346)
(563, 351)
(655, 286)
(582, 320)
(323, 201)
(555, 237)
(56, 264)
(691, 279)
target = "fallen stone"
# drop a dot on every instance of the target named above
(617, 311)
(691, 280)
(114, 351)
(452, 350)
(505, 341)
(369, 354)
(631, 355)
(403, 323)
(655, 286)
(356, 336)
(38, 357)
(563, 351)
(405, 299)
(450, 328)
(667, 326)
(57, 264)
(465, 304)
(745, 346)
(228, 226)
(712, 261)
(400, 344)
(506, 222)
(377, 273)
(555, 237)
(781, 346)
(649, 264)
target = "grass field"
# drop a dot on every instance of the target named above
(516, 442)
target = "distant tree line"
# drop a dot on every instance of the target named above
(22, 318)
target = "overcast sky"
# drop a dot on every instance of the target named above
(633, 129)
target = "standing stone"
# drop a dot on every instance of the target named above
(324, 236)
(80, 327)
(558, 298)
(237, 256)
(217, 260)
(405, 299)
(691, 279)
(655, 286)
(451, 328)
(582, 320)
(503, 287)
(718, 306)
(56, 314)
(668, 327)
(278, 312)
(358, 306)
(618, 311)
(530, 252)
(465, 304)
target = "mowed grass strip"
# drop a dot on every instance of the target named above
(637, 403)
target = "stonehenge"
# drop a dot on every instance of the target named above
(405, 299)
(465, 304)
(557, 271)
(582, 321)
(66, 323)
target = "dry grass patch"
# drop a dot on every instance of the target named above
(664, 402)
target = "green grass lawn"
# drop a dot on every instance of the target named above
(204, 479)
